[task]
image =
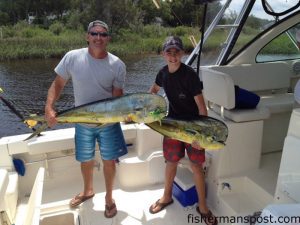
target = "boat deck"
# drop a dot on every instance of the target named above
(133, 205)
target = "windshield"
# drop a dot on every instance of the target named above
(257, 21)
(286, 46)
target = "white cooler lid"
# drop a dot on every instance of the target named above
(184, 178)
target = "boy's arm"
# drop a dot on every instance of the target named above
(154, 89)
(202, 111)
(201, 104)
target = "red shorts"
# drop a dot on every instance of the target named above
(174, 150)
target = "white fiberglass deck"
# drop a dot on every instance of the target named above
(133, 204)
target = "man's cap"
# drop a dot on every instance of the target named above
(97, 23)
(172, 42)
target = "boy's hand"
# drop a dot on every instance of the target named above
(196, 145)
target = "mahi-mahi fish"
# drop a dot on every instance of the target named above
(206, 131)
(137, 107)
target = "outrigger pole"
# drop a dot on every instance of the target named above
(202, 30)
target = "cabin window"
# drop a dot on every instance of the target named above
(286, 46)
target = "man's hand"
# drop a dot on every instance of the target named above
(50, 116)
(128, 119)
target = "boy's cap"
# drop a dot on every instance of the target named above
(172, 42)
(97, 23)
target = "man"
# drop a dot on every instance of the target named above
(96, 74)
(184, 92)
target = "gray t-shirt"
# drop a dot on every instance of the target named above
(93, 79)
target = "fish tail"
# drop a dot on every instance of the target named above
(38, 130)
(31, 123)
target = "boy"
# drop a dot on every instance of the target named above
(183, 89)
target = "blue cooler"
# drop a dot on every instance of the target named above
(184, 189)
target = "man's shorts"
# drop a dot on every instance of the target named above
(174, 150)
(110, 140)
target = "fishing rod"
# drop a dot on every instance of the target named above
(202, 30)
(15, 111)
(18, 163)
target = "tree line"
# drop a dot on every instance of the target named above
(117, 13)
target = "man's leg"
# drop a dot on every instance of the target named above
(109, 170)
(87, 174)
(85, 151)
(112, 146)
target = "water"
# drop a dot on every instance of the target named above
(26, 82)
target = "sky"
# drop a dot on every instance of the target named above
(258, 11)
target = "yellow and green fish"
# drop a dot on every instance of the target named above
(206, 131)
(137, 107)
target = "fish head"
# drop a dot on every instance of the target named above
(150, 107)
(214, 133)
(214, 143)
(157, 107)
(220, 133)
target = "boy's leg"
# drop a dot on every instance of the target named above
(173, 152)
(166, 199)
(170, 173)
(199, 180)
(197, 158)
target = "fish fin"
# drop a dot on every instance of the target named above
(159, 122)
(37, 132)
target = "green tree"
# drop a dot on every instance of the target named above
(4, 18)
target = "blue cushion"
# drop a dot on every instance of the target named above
(245, 99)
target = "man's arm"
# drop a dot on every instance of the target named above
(53, 94)
(117, 92)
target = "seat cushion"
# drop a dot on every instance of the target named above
(243, 115)
(278, 103)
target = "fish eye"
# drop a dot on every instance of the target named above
(138, 108)
(212, 138)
